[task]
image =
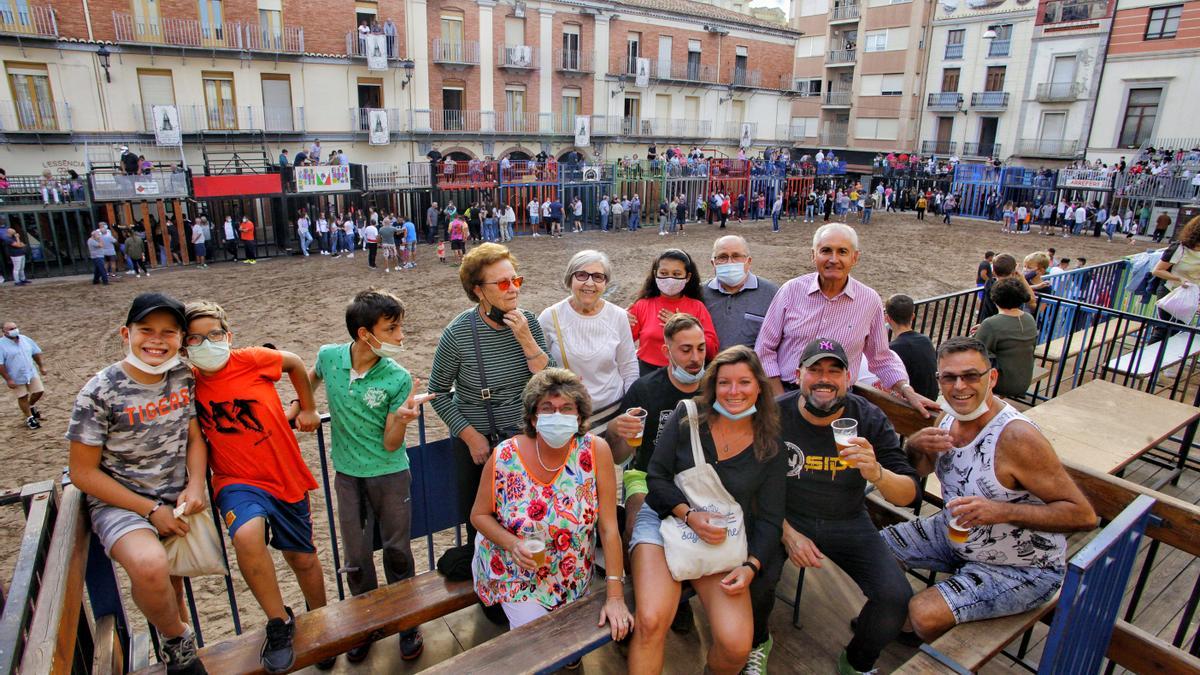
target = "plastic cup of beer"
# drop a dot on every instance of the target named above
(536, 548)
(640, 415)
(718, 520)
(844, 429)
(958, 533)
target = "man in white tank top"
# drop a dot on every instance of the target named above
(1008, 499)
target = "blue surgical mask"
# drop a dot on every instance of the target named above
(731, 416)
(557, 429)
(731, 274)
(683, 376)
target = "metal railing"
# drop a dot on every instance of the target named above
(999, 48)
(953, 51)
(516, 56)
(1047, 147)
(196, 118)
(835, 136)
(289, 39)
(802, 87)
(938, 147)
(683, 71)
(838, 98)
(790, 132)
(112, 187)
(455, 52)
(1062, 11)
(442, 121)
(35, 116)
(945, 100)
(680, 128)
(28, 190)
(360, 120)
(194, 33)
(388, 176)
(743, 77)
(1173, 186)
(519, 123)
(1050, 92)
(844, 12)
(991, 100)
(572, 61)
(28, 20)
(734, 129)
(357, 46)
(841, 56)
(981, 149)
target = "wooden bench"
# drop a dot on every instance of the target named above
(1084, 339)
(1144, 361)
(1039, 373)
(40, 502)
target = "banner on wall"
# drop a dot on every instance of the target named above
(747, 138)
(643, 72)
(378, 125)
(166, 126)
(375, 45)
(583, 131)
(322, 178)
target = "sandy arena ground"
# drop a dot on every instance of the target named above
(297, 305)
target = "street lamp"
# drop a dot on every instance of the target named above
(103, 54)
(408, 65)
(989, 34)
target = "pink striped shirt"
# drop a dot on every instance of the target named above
(801, 313)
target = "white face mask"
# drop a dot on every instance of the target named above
(961, 417)
(385, 350)
(141, 365)
(208, 355)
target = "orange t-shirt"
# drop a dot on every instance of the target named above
(247, 230)
(249, 441)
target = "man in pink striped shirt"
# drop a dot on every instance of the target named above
(828, 303)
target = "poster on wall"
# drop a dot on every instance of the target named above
(583, 131)
(166, 126)
(322, 178)
(379, 132)
(375, 45)
(643, 73)
(747, 138)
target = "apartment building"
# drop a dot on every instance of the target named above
(860, 74)
(1067, 55)
(979, 63)
(387, 80)
(1151, 77)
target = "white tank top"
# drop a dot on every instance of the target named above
(970, 471)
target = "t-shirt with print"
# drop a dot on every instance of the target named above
(658, 396)
(358, 410)
(820, 484)
(249, 441)
(141, 429)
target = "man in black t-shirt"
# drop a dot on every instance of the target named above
(913, 348)
(826, 498)
(984, 271)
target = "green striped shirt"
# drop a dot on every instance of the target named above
(456, 366)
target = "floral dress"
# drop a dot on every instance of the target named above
(562, 512)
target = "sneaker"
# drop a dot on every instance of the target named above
(277, 655)
(682, 623)
(179, 653)
(359, 653)
(757, 663)
(844, 667)
(253, 262)
(32, 422)
(411, 645)
(327, 664)
(388, 269)
(35, 413)
(129, 272)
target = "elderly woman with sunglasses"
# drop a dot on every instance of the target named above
(478, 397)
(590, 336)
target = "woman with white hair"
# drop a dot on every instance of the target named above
(591, 336)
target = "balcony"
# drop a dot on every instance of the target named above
(1059, 92)
(734, 130)
(516, 57)
(841, 57)
(455, 52)
(799, 87)
(989, 100)
(945, 100)
(109, 187)
(356, 46)
(835, 136)
(938, 147)
(193, 33)
(387, 176)
(198, 118)
(30, 20)
(751, 79)
(999, 48)
(442, 121)
(571, 61)
(1066, 11)
(839, 99)
(787, 132)
(846, 12)
(684, 71)
(1054, 148)
(520, 123)
(35, 117)
(954, 51)
(360, 120)
(981, 150)
(664, 127)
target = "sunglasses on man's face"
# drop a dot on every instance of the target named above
(504, 284)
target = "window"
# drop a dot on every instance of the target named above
(995, 79)
(877, 41)
(741, 61)
(514, 31)
(212, 26)
(146, 25)
(30, 85)
(1141, 111)
(810, 46)
(453, 118)
(633, 44)
(157, 88)
(950, 79)
(514, 110)
(693, 62)
(452, 30)
(277, 102)
(891, 84)
(1164, 22)
(570, 106)
(888, 39)
(570, 47)
(954, 43)
(814, 7)
(803, 127)
(270, 23)
(878, 128)
(1002, 43)
(809, 87)
(219, 103)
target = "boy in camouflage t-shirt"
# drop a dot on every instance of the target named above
(137, 452)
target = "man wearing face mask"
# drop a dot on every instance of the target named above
(1006, 493)
(736, 299)
(826, 496)
(371, 403)
(21, 369)
(259, 478)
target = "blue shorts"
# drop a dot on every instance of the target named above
(289, 526)
(199, 248)
(646, 528)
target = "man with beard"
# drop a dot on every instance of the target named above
(1007, 497)
(826, 501)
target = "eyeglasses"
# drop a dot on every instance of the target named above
(726, 258)
(504, 284)
(969, 378)
(597, 277)
(214, 335)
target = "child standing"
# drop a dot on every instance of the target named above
(458, 239)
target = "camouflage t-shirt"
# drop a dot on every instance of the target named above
(141, 428)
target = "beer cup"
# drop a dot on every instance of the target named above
(957, 532)
(844, 429)
(640, 414)
(536, 548)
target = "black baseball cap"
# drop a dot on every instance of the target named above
(823, 348)
(146, 303)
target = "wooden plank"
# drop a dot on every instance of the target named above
(26, 578)
(1142, 652)
(1109, 495)
(336, 628)
(162, 224)
(107, 658)
(184, 237)
(151, 248)
(1176, 349)
(1083, 339)
(50, 646)
(1039, 373)
(974, 644)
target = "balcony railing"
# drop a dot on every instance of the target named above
(981, 149)
(683, 71)
(845, 12)
(1052, 92)
(519, 123)
(109, 187)
(456, 52)
(999, 48)
(1047, 147)
(28, 20)
(386, 176)
(938, 147)
(357, 46)
(990, 100)
(798, 87)
(35, 116)
(679, 128)
(747, 78)
(360, 120)
(954, 51)
(945, 100)
(787, 132)
(519, 57)
(572, 61)
(1063, 11)
(199, 118)
(841, 57)
(835, 136)
(734, 130)
(837, 98)
(193, 33)
(442, 121)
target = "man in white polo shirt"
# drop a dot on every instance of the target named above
(21, 368)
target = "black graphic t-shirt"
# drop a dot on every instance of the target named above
(658, 396)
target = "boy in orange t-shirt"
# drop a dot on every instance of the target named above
(260, 480)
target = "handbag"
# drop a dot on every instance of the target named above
(198, 553)
(1181, 303)
(688, 557)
